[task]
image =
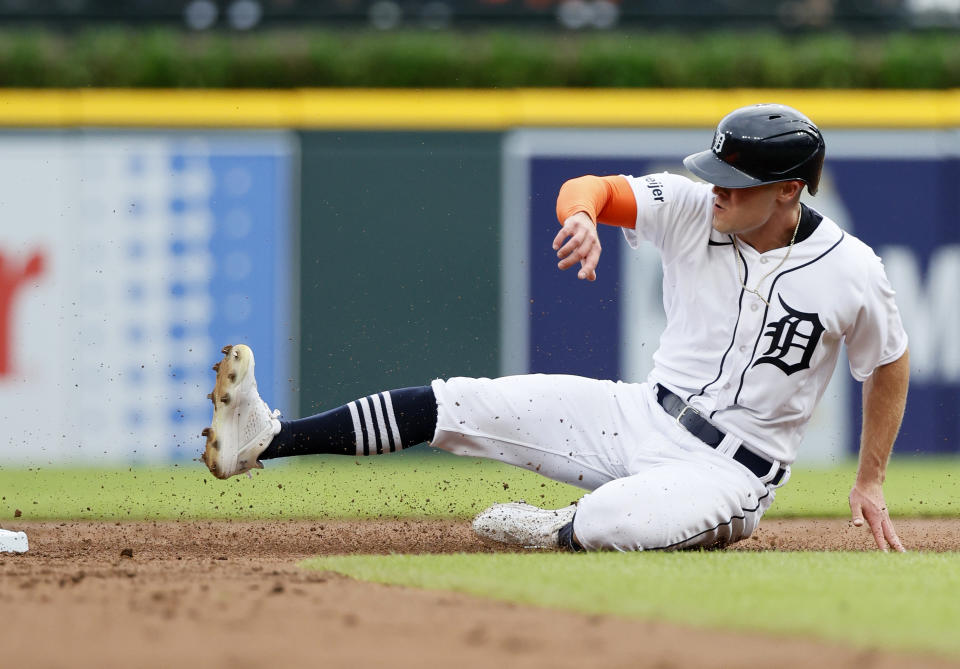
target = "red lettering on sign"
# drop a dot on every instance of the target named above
(13, 276)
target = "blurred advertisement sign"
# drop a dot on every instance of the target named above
(126, 261)
(896, 190)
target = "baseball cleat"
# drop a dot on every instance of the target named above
(520, 524)
(243, 425)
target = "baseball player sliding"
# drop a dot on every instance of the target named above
(760, 292)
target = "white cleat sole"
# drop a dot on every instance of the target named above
(222, 452)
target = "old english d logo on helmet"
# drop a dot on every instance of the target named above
(762, 144)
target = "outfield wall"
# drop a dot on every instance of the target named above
(369, 239)
(125, 259)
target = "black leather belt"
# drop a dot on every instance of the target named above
(702, 429)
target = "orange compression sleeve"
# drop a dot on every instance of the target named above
(608, 200)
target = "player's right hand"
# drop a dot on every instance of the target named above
(576, 242)
(866, 502)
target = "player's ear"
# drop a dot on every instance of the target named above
(790, 190)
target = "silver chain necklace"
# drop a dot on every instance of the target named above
(740, 273)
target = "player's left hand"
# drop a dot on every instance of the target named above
(867, 503)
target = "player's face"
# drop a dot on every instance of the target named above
(740, 210)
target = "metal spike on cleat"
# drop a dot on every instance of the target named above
(226, 349)
(205, 432)
(216, 367)
(225, 398)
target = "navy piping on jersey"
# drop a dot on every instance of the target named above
(767, 309)
(717, 526)
(808, 223)
(733, 337)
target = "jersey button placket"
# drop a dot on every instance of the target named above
(752, 323)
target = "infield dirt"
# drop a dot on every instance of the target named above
(229, 594)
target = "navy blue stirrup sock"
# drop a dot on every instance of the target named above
(381, 423)
(567, 540)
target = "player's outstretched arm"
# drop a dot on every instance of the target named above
(581, 203)
(884, 400)
(576, 242)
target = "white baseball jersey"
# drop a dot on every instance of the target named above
(757, 369)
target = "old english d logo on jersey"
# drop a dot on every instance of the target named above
(793, 340)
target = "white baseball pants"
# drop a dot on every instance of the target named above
(654, 485)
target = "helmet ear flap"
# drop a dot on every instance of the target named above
(816, 168)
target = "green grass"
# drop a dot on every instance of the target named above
(897, 601)
(412, 485)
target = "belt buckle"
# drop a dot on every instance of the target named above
(686, 407)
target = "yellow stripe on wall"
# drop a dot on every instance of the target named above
(405, 109)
